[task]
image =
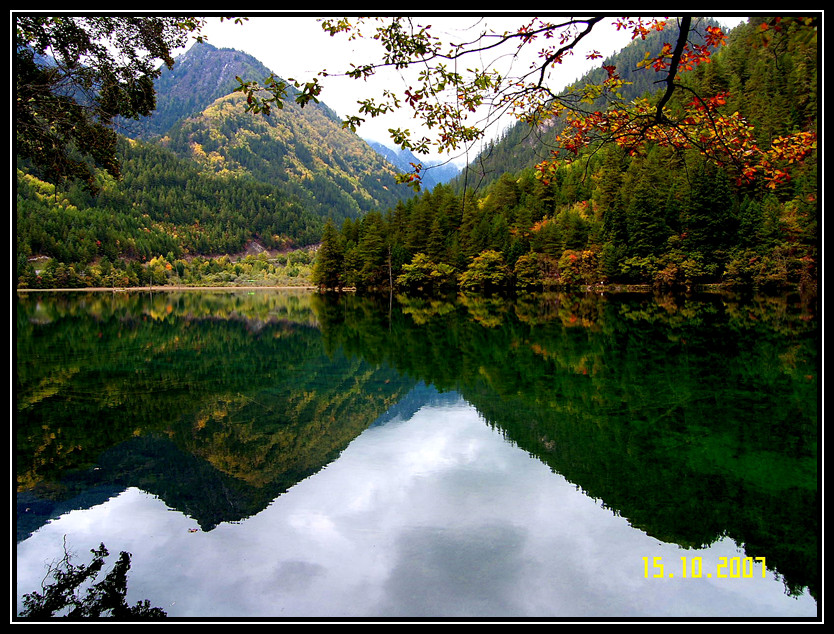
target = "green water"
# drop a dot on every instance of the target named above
(524, 458)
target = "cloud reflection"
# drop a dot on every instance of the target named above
(435, 516)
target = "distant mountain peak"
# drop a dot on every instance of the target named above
(402, 159)
(200, 75)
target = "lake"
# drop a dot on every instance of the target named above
(290, 455)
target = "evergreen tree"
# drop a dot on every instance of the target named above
(647, 230)
(707, 221)
(328, 270)
(374, 253)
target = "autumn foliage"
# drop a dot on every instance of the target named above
(701, 123)
(443, 96)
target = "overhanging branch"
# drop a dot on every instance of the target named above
(683, 34)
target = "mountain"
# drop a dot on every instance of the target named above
(199, 76)
(217, 177)
(434, 172)
(305, 151)
(522, 146)
(205, 73)
(201, 176)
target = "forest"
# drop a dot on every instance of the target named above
(661, 217)
(161, 223)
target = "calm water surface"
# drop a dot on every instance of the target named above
(283, 455)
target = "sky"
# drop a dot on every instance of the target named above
(295, 46)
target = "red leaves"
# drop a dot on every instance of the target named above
(692, 54)
(727, 139)
(412, 98)
(640, 27)
(714, 36)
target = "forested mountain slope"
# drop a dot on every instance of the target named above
(203, 177)
(199, 76)
(219, 177)
(305, 150)
(522, 146)
(664, 217)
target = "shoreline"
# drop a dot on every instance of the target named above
(128, 289)
(583, 288)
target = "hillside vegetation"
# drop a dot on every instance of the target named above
(660, 217)
(201, 178)
(204, 182)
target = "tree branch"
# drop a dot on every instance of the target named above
(683, 34)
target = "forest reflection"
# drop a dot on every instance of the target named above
(694, 418)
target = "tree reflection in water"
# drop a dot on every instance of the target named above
(693, 418)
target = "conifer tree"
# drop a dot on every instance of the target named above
(708, 219)
(328, 270)
(647, 230)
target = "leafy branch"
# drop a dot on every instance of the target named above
(105, 598)
(443, 97)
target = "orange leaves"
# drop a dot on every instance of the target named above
(725, 138)
(640, 27)
(785, 151)
(661, 62)
(729, 140)
(538, 226)
(705, 124)
(544, 171)
(714, 36)
(718, 100)
(691, 55)
(793, 148)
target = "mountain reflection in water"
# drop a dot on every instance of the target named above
(317, 442)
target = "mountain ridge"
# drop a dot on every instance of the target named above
(434, 172)
(329, 169)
